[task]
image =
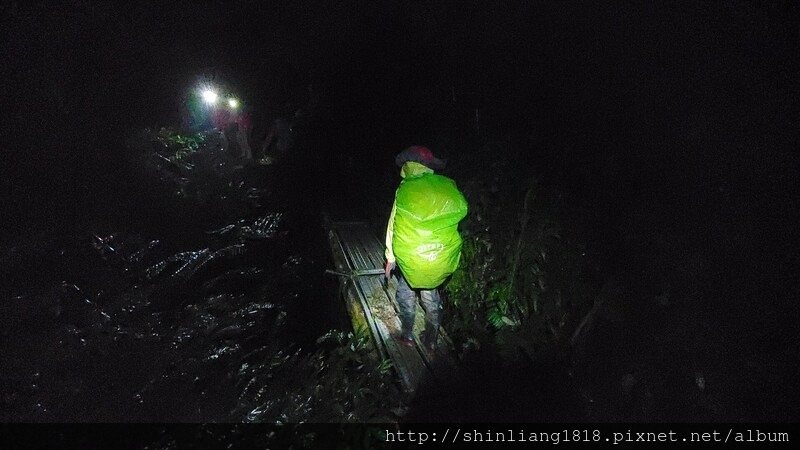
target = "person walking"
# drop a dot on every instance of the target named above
(422, 239)
(243, 130)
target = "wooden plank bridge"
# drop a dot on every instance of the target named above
(359, 260)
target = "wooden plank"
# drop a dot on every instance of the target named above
(356, 308)
(370, 302)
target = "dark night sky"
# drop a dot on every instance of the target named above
(691, 97)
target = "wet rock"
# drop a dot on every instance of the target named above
(235, 280)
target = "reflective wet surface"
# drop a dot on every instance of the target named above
(115, 323)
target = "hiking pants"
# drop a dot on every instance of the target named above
(406, 298)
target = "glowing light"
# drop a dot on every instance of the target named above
(233, 103)
(209, 96)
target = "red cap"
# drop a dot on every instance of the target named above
(420, 154)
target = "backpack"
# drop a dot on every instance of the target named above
(426, 242)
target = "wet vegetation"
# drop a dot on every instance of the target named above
(521, 274)
(222, 316)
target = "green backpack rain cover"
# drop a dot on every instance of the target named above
(426, 242)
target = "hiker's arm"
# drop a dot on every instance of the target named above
(390, 234)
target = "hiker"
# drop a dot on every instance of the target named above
(242, 119)
(278, 141)
(224, 126)
(422, 239)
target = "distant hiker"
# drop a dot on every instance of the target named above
(243, 129)
(226, 127)
(422, 239)
(278, 141)
(220, 118)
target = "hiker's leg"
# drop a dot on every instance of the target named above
(244, 144)
(406, 300)
(432, 303)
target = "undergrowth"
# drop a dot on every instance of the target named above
(523, 284)
(340, 379)
(350, 385)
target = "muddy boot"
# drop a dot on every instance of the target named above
(429, 338)
(406, 340)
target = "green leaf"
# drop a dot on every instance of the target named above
(385, 366)
(508, 321)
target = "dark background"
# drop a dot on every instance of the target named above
(684, 98)
(684, 113)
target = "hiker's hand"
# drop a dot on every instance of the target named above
(389, 268)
